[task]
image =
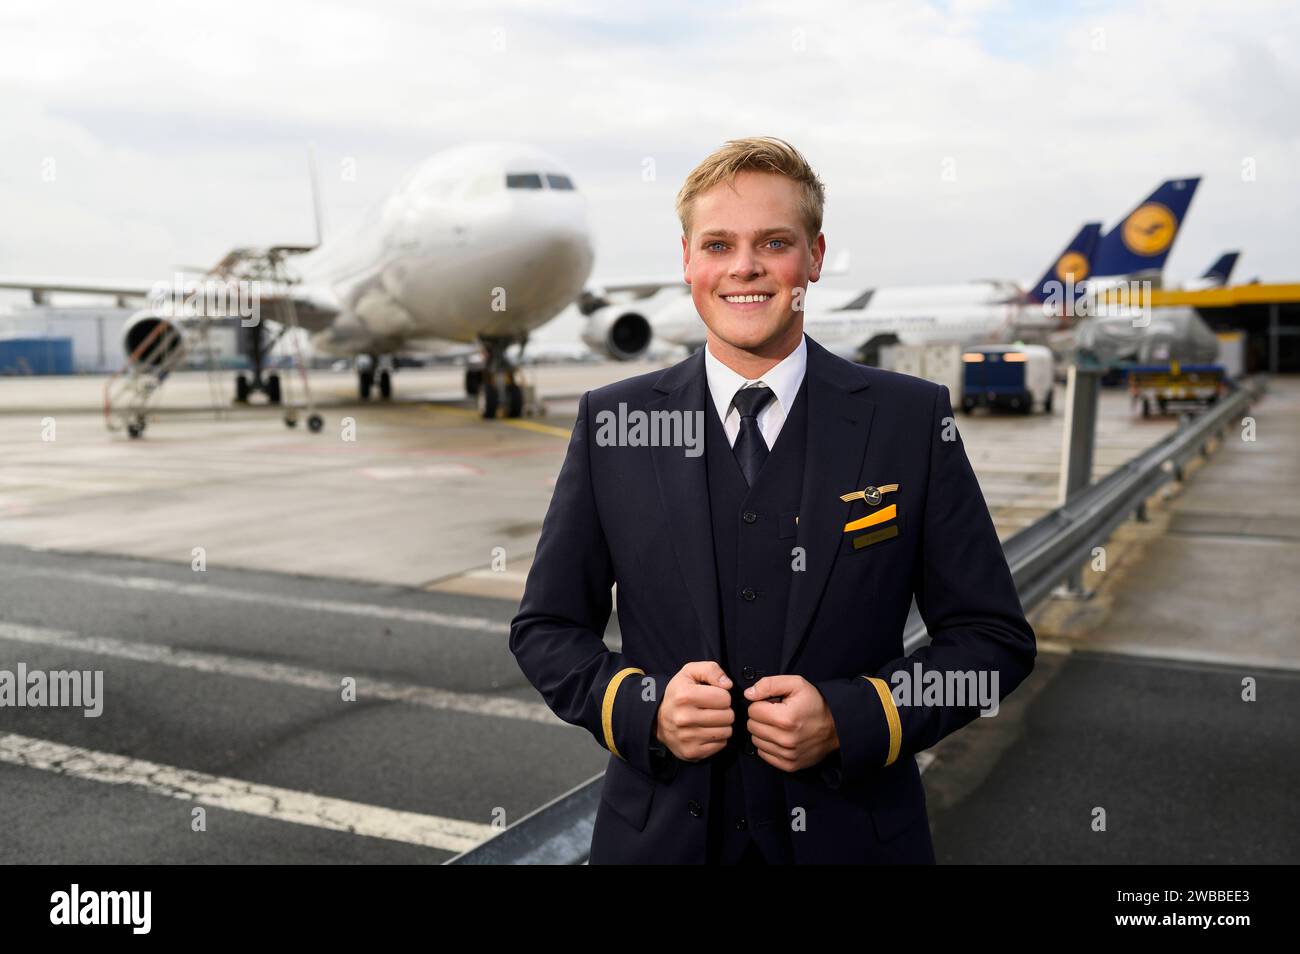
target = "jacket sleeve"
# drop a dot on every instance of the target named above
(557, 635)
(971, 610)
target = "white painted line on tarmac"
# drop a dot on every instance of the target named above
(1194, 656)
(249, 798)
(474, 703)
(226, 594)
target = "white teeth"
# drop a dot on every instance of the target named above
(741, 299)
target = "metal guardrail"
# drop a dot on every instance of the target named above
(1043, 554)
(1040, 557)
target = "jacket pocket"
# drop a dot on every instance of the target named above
(897, 799)
(628, 792)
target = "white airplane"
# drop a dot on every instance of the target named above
(480, 244)
(857, 324)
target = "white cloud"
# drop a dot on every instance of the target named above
(179, 131)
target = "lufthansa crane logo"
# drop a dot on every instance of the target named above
(1149, 230)
(1072, 267)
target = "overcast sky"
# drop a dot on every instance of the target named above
(137, 136)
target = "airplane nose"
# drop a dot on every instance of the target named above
(562, 250)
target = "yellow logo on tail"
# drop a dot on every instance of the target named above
(1072, 267)
(1149, 230)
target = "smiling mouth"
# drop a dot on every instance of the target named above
(746, 299)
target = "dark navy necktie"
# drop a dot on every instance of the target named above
(750, 448)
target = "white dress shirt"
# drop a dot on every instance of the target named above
(783, 378)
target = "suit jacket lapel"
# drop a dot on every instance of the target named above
(839, 425)
(684, 498)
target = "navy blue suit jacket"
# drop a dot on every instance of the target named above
(639, 516)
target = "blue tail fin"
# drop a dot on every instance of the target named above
(1141, 242)
(1221, 271)
(1074, 264)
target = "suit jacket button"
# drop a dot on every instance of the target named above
(748, 673)
(749, 516)
(741, 824)
(750, 749)
(748, 593)
(694, 808)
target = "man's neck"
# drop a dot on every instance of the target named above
(752, 365)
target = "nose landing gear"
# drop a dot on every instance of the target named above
(498, 392)
(497, 385)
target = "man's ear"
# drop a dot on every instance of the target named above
(686, 260)
(818, 255)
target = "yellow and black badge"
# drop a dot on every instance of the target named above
(872, 496)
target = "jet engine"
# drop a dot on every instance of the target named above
(618, 332)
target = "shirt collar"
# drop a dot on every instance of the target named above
(784, 379)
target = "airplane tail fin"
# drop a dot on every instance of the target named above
(1142, 240)
(1221, 270)
(1073, 265)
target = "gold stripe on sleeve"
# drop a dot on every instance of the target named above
(607, 708)
(891, 716)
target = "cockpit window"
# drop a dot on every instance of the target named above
(557, 181)
(523, 180)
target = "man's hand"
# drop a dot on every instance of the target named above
(695, 717)
(794, 731)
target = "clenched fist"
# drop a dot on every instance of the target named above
(790, 722)
(695, 717)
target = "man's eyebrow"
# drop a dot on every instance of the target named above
(723, 233)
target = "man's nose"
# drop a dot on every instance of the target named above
(745, 265)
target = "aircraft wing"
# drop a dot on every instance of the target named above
(316, 308)
(42, 286)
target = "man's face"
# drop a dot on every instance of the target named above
(750, 241)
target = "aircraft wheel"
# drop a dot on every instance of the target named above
(273, 389)
(473, 381)
(315, 423)
(241, 389)
(514, 400)
(385, 384)
(489, 398)
(365, 379)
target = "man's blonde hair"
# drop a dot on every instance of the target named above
(756, 154)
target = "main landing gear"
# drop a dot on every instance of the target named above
(372, 371)
(257, 348)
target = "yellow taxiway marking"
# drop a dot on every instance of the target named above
(507, 421)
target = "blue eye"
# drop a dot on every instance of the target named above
(711, 244)
(782, 241)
